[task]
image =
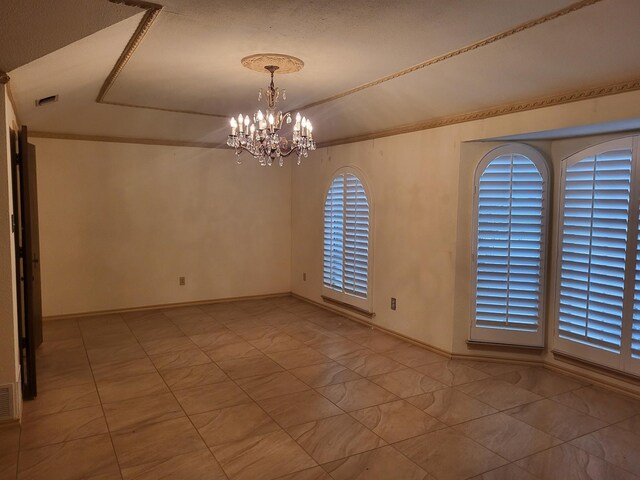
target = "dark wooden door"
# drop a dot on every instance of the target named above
(30, 260)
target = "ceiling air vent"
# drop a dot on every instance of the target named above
(46, 100)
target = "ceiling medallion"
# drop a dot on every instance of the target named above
(260, 134)
(285, 63)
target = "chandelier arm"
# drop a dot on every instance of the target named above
(262, 139)
(285, 155)
(240, 148)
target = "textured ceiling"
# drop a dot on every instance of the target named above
(189, 60)
(30, 29)
(343, 44)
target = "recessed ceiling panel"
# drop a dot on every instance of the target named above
(190, 59)
(76, 73)
(571, 53)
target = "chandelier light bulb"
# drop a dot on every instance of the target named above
(263, 138)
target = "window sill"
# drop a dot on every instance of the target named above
(595, 367)
(503, 346)
(346, 306)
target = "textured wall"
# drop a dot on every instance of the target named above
(120, 223)
(422, 184)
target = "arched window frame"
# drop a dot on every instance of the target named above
(622, 361)
(365, 305)
(504, 335)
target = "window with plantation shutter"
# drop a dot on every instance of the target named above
(346, 240)
(594, 246)
(599, 281)
(509, 256)
(635, 327)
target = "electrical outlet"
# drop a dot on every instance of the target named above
(393, 303)
(182, 281)
(304, 277)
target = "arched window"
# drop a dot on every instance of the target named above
(510, 241)
(598, 277)
(346, 240)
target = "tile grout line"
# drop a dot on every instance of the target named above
(269, 415)
(315, 389)
(449, 427)
(20, 426)
(323, 325)
(509, 462)
(249, 396)
(312, 389)
(392, 445)
(112, 432)
(95, 383)
(172, 392)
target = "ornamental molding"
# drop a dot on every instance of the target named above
(285, 63)
(289, 64)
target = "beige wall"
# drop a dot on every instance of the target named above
(413, 229)
(9, 363)
(120, 223)
(422, 186)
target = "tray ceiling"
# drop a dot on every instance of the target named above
(33, 28)
(189, 61)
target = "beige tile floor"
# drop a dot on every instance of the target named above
(280, 389)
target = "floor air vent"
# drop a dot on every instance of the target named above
(6, 402)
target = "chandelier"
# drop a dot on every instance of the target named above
(260, 134)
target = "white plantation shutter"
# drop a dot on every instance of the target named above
(593, 251)
(334, 234)
(346, 236)
(509, 257)
(635, 326)
(356, 245)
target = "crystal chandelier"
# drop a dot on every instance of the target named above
(260, 135)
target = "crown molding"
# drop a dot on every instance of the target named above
(13, 103)
(5, 80)
(152, 12)
(138, 4)
(161, 109)
(138, 141)
(154, 9)
(454, 53)
(569, 97)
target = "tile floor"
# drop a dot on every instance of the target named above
(280, 389)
